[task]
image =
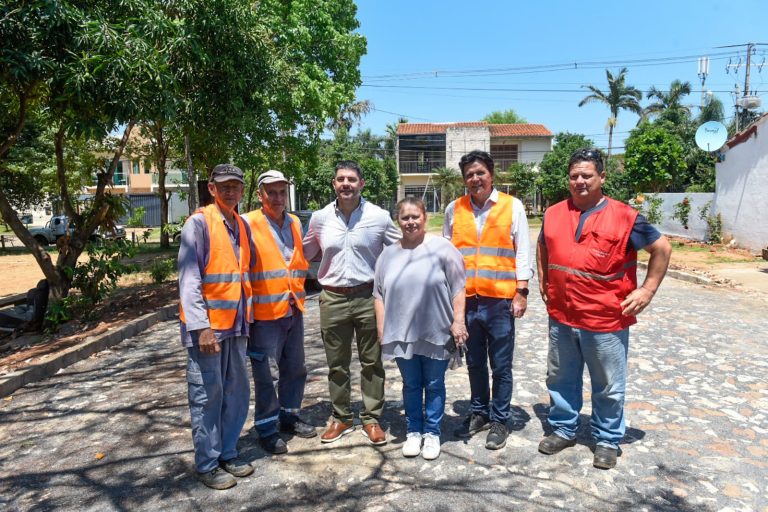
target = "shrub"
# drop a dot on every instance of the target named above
(98, 276)
(161, 269)
(681, 211)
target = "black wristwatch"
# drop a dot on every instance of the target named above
(523, 292)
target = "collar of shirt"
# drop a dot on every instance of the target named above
(493, 199)
(359, 207)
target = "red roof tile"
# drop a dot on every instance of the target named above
(519, 130)
(497, 130)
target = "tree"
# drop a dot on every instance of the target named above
(59, 65)
(712, 111)
(449, 182)
(520, 178)
(654, 158)
(668, 105)
(553, 169)
(508, 116)
(619, 96)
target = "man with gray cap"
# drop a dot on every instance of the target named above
(216, 258)
(278, 309)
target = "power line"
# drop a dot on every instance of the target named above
(543, 68)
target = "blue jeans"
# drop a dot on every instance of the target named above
(423, 389)
(491, 329)
(605, 354)
(219, 393)
(283, 341)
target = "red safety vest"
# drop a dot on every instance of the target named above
(489, 261)
(225, 281)
(274, 282)
(587, 279)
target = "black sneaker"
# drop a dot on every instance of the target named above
(273, 443)
(298, 428)
(217, 479)
(497, 437)
(236, 467)
(473, 424)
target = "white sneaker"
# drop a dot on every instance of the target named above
(431, 448)
(412, 445)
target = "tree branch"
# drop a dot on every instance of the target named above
(11, 139)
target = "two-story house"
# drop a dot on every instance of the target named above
(424, 147)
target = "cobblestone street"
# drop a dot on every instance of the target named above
(112, 432)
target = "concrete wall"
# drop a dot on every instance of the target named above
(697, 229)
(460, 141)
(742, 189)
(533, 150)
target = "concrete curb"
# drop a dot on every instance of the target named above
(683, 276)
(89, 346)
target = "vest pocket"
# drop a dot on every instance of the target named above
(601, 248)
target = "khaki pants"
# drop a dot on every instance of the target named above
(341, 317)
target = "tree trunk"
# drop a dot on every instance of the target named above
(161, 157)
(191, 177)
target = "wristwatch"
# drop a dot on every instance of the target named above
(523, 292)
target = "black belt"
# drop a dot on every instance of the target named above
(349, 290)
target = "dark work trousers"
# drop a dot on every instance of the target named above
(281, 340)
(491, 329)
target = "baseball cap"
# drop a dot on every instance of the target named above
(271, 176)
(226, 172)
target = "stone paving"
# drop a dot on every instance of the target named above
(112, 432)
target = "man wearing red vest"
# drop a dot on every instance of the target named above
(278, 306)
(490, 230)
(586, 264)
(216, 258)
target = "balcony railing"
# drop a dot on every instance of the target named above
(420, 167)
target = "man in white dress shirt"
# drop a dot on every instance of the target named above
(351, 233)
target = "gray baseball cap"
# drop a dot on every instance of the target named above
(226, 172)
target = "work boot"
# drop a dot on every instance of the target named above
(273, 444)
(497, 437)
(217, 479)
(473, 424)
(553, 443)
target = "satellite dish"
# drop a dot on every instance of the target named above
(711, 136)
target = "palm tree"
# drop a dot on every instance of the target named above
(618, 97)
(668, 104)
(450, 184)
(712, 111)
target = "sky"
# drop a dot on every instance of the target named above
(450, 60)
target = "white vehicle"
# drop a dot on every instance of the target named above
(59, 225)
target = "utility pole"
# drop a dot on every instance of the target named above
(744, 102)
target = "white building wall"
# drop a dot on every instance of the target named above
(742, 190)
(460, 141)
(533, 150)
(697, 228)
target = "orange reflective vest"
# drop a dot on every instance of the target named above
(490, 261)
(225, 282)
(587, 279)
(274, 282)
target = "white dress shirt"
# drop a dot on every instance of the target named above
(349, 248)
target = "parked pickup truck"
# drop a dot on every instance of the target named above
(59, 225)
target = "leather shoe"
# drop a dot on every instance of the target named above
(605, 457)
(553, 443)
(375, 434)
(236, 467)
(335, 431)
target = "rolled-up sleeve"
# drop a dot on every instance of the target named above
(522, 239)
(310, 243)
(192, 260)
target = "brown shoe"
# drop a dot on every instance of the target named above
(336, 431)
(375, 434)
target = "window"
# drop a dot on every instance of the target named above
(504, 155)
(421, 153)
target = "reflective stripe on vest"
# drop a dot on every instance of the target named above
(490, 261)
(587, 279)
(224, 281)
(274, 282)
